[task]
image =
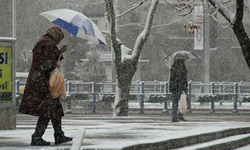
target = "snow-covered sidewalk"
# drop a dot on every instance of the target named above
(106, 132)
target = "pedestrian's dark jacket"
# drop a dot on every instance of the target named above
(37, 99)
(178, 77)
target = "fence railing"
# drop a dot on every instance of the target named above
(158, 91)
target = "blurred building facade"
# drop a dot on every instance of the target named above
(226, 63)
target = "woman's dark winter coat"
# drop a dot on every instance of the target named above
(37, 99)
(178, 77)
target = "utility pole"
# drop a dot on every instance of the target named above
(201, 29)
(206, 34)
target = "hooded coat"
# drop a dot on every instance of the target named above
(37, 99)
(178, 77)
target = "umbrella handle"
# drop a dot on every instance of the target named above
(59, 58)
(164, 54)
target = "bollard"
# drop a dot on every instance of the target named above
(241, 87)
(68, 89)
(221, 90)
(189, 96)
(166, 98)
(212, 87)
(77, 88)
(142, 99)
(201, 90)
(212, 98)
(102, 88)
(18, 96)
(161, 87)
(138, 90)
(155, 86)
(235, 98)
(224, 87)
(241, 90)
(66, 84)
(94, 95)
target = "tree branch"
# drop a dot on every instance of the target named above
(141, 39)
(111, 13)
(229, 16)
(215, 19)
(186, 5)
(239, 10)
(136, 6)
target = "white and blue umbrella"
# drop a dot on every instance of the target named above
(76, 23)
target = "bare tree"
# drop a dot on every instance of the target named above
(236, 22)
(126, 69)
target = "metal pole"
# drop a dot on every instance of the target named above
(206, 77)
(94, 96)
(13, 49)
(142, 98)
(155, 86)
(189, 96)
(166, 98)
(162, 87)
(235, 98)
(68, 89)
(212, 98)
(14, 19)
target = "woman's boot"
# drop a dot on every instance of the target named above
(36, 138)
(59, 134)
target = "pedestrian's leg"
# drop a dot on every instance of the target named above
(175, 100)
(59, 134)
(180, 116)
(36, 139)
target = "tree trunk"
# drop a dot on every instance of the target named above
(243, 41)
(237, 25)
(125, 72)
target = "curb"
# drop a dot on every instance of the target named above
(191, 140)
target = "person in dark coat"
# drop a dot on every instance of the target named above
(177, 85)
(37, 100)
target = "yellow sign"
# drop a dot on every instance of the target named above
(5, 69)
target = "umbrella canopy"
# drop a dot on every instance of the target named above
(179, 55)
(76, 23)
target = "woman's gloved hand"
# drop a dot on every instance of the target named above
(58, 65)
(63, 48)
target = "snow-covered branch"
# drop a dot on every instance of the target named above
(167, 24)
(146, 32)
(136, 6)
(229, 16)
(182, 5)
(111, 14)
(215, 19)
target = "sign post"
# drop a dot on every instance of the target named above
(7, 84)
(7, 76)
